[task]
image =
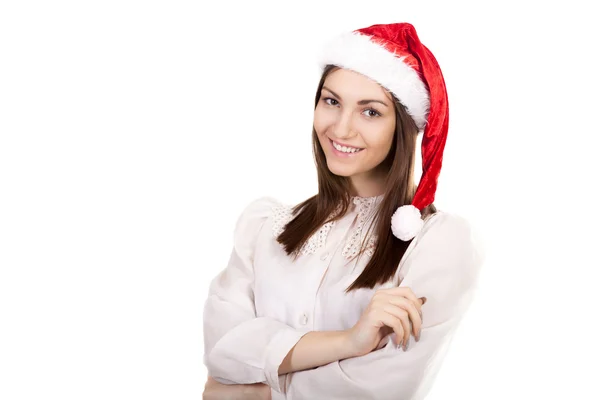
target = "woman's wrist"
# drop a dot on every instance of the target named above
(347, 349)
(317, 348)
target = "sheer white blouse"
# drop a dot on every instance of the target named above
(262, 303)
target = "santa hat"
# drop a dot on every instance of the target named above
(393, 56)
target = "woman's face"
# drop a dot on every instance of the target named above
(356, 111)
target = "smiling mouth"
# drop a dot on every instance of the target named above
(341, 152)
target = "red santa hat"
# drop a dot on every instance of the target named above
(393, 56)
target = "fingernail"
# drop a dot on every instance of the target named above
(424, 300)
(398, 346)
(418, 336)
(406, 346)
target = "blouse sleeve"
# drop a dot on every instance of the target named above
(240, 347)
(444, 267)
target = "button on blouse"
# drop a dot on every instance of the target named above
(303, 319)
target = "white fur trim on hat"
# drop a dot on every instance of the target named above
(406, 222)
(355, 51)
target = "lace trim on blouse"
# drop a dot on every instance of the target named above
(283, 214)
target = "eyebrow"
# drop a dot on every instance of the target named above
(361, 102)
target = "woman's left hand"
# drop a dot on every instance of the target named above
(214, 390)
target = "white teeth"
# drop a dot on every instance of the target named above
(345, 149)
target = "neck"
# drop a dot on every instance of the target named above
(367, 186)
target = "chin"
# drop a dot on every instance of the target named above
(336, 170)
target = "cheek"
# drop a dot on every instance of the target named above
(322, 120)
(380, 143)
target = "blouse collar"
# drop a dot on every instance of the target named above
(363, 207)
(365, 203)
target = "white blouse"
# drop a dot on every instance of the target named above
(263, 302)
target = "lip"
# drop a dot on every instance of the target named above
(340, 154)
(344, 144)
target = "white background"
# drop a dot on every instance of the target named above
(134, 133)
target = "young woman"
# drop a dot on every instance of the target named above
(356, 292)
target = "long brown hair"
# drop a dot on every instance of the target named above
(400, 188)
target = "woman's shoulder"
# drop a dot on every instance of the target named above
(448, 246)
(251, 221)
(451, 232)
(259, 209)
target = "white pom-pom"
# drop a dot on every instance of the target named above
(406, 222)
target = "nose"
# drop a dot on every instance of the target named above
(342, 128)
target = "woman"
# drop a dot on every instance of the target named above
(319, 301)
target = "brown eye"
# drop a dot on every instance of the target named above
(329, 98)
(376, 113)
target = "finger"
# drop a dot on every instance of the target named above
(404, 291)
(409, 294)
(402, 315)
(402, 302)
(409, 307)
(394, 323)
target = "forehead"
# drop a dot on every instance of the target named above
(351, 84)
